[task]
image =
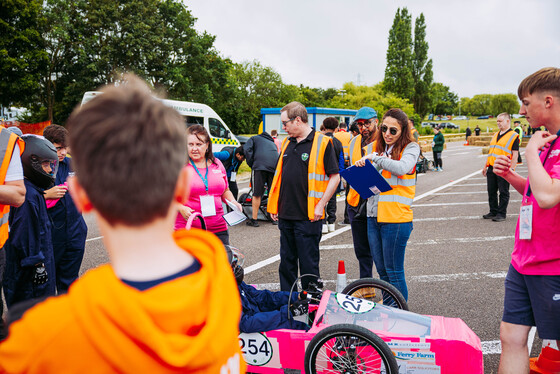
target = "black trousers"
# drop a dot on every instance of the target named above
(437, 159)
(299, 247)
(233, 188)
(495, 184)
(361, 243)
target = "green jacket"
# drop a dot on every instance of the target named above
(438, 140)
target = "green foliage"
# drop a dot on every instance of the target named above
(444, 101)
(22, 50)
(504, 103)
(355, 97)
(422, 73)
(398, 72)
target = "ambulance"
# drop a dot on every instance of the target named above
(196, 114)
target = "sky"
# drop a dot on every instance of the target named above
(477, 46)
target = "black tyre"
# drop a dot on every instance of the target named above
(347, 348)
(378, 291)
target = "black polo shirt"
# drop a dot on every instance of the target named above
(292, 201)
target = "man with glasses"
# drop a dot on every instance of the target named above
(360, 145)
(305, 179)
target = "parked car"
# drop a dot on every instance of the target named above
(428, 124)
(483, 117)
(460, 118)
(448, 125)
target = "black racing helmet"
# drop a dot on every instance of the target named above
(39, 161)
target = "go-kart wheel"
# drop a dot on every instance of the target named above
(378, 291)
(347, 348)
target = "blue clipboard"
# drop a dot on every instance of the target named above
(366, 180)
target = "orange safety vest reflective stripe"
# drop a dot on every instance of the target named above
(393, 206)
(356, 153)
(7, 143)
(317, 178)
(501, 147)
(345, 139)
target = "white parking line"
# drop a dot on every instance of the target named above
(471, 184)
(461, 193)
(92, 239)
(276, 258)
(435, 219)
(461, 203)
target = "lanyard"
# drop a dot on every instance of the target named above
(543, 163)
(205, 178)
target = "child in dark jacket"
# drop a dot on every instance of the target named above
(265, 310)
(29, 252)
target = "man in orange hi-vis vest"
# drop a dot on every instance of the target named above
(168, 301)
(12, 191)
(505, 142)
(305, 179)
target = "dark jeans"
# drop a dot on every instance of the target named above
(494, 184)
(2, 267)
(361, 244)
(388, 243)
(330, 216)
(438, 159)
(299, 247)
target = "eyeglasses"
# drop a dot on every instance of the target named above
(392, 130)
(284, 123)
(364, 123)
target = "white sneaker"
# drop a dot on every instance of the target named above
(331, 227)
(325, 229)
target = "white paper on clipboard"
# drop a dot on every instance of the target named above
(234, 217)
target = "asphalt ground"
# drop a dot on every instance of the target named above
(455, 262)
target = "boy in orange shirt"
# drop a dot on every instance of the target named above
(167, 302)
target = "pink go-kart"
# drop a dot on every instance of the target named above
(353, 335)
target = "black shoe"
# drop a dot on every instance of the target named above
(489, 216)
(275, 223)
(344, 223)
(499, 219)
(252, 222)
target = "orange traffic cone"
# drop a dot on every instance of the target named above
(341, 277)
(548, 361)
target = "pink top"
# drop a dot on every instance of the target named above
(217, 185)
(278, 144)
(541, 254)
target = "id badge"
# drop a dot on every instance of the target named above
(526, 222)
(207, 206)
(233, 176)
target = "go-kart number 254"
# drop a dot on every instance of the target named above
(256, 348)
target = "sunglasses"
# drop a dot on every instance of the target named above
(392, 130)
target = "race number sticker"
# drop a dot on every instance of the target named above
(256, 348)
(354, 305)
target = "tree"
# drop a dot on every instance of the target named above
(257, 87)
(422, 73)
(22, 52)
(398, 72)
(480, 105)
(90, 42)
(504, 103)
(355, 97)
(445, 101)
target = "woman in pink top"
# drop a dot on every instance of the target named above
(209, 186)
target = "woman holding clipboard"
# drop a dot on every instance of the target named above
(389, 214)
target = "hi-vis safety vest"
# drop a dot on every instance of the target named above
(353, 197)
(394, 205)
(345, 139)
(317, 178)
(8, 141)
(501, 147)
